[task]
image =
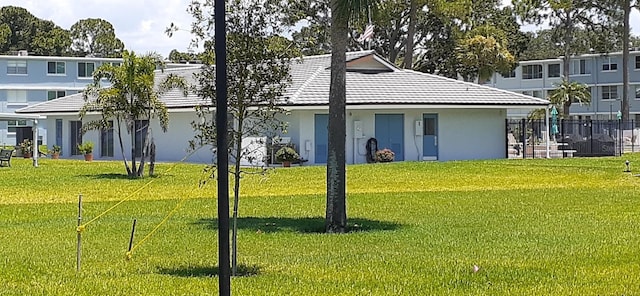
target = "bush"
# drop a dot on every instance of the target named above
(385, 155)
(26, 147)
(86, 147)
(287, 154)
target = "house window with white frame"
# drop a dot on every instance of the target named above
(75, 132)
(106, 140)
(85, 69)
(637, 62)
(580, 67)
(12, 125)
(510, 74)
(56, 68)
(16, 96)
(54, 94)
(609, 92)
(637, 89)
(17, 67)
(531, 71)
(609, 65)
(553, 70)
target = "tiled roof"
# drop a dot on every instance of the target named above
(310, 86)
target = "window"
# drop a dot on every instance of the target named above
(56, 68)
(580, 67)
(16, 96)
(59, 132)
(553, 70)
(16, 67)
(115, 64)
(106, 141)
(14, 124)
(85, 69)
(637, 89)
(532, 72)
(511, 74)
(76, 136)
(609, 65)
(609, 92)
(54, 94)
(537, 93)
(141, 127)
(637, 62)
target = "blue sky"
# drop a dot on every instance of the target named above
(140, 24)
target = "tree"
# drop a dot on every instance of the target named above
(258, 64)
(484, 53)
(341, 12)
(5, 32)
(95, 37)
(50, 39)
(567, 93)
(184, 57)
(20, 30)
(132, 100)
(626, 7)
(485, 38)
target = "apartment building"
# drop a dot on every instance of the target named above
(27, 80)
(601, 72)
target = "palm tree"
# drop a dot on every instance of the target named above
(132, 97)
(341, 12)
(567, 93)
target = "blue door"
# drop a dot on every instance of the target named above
(430, 137)
(390, 133)
(321, 138)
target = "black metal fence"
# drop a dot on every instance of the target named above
(571, 138)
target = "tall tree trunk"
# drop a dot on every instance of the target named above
(625, 62)
(124, 156)
(152, 157)
(408, 48)
(134, 168)
(236, 199)
(336, 215)
(566, 68)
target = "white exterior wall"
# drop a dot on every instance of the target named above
(463, 134)
(170, 146)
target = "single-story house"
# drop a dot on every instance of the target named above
(419, 116)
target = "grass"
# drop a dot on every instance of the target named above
(541, 227)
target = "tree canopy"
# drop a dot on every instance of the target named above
(95, 37)
(21, 30)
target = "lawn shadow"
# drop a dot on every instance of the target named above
(301, 224)
(114, 176)
(207, 271)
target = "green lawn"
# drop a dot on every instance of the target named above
(534, 227)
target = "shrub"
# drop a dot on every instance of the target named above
(26, 147)
(86, 147)
(287, 154)
(385, 155)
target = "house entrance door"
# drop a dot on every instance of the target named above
(430, 137)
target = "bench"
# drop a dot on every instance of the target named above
(5, 156)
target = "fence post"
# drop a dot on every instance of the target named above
(79, 230)
(523, 128)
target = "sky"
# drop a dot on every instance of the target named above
(140, 24)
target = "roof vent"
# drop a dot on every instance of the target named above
(23, 53)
